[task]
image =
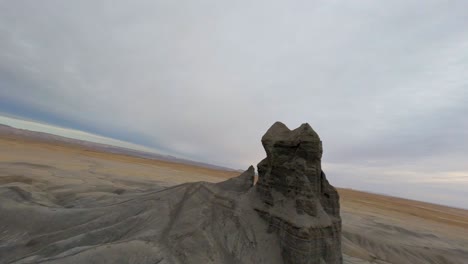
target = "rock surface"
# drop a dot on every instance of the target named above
(298, 202)
(63, 204)
(290, 216)
(241, 183)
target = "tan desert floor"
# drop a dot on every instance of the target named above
(376, 228)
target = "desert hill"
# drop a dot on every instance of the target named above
(70, 204)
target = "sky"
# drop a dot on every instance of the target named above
(384, 83)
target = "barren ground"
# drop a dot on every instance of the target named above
(376, 228)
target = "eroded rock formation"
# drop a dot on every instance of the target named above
(298, 202)
(291, 216)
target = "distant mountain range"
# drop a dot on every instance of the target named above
(51, 138)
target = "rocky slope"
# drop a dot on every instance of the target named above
(290, 216)
(69, 204)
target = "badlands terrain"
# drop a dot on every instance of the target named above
(67, 203)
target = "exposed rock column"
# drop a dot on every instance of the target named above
(298, 202)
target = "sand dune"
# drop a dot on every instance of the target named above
(69, 204)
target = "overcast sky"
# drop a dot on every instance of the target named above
(384, 83)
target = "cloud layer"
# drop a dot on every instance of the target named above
(383, 83)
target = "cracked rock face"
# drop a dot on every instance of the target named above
(299, 204)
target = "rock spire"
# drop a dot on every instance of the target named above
(298, 203)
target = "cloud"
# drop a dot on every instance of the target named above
(383, 83)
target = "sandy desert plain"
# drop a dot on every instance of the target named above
(56, 202)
